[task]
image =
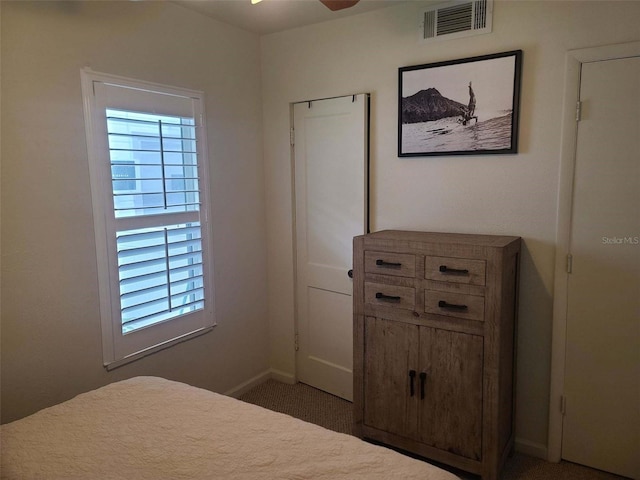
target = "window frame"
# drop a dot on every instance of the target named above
(119, 348)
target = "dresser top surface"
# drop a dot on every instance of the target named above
(497, 241)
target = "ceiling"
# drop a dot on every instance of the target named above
(271, 16)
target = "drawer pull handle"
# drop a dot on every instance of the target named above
(382, 263)
(453, 271)
(388, 298)
(452, 306)
(423, 379)
(412, 376)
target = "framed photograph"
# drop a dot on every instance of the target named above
(460, 107)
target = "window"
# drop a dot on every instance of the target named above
(147, 159)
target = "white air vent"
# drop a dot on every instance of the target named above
(456, 19)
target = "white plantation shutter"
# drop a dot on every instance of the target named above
(160, 155)
(148, 171)
(160, 274)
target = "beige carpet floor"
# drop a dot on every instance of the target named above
(315, 406)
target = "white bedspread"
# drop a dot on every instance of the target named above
(151, 428)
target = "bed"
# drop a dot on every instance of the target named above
(152, 428)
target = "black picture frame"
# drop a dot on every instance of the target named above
(468, 106)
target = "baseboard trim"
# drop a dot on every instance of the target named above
(249, 384)
(244, 387)
(532, 449)
(283, 377)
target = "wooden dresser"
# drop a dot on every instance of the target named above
(434, 345)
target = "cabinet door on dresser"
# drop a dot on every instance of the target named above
(391, 354)
(450, 414)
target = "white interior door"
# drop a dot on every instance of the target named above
(330, 155)
(601, 426)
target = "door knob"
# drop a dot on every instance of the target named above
(350, 273)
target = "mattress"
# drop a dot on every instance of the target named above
(152, 428)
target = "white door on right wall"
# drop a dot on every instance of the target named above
(601, 426)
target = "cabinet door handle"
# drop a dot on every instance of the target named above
(453, 271)
(423, 379)
(412, 376)
(452, 306)
(382, 263)
(388, 298)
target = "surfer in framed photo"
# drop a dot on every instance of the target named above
(468, 114)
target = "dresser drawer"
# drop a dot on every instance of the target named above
(455, 270)
(390, 295)
(384, 263)
(459, 305)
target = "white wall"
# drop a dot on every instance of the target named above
(51, 344)
(514, 194)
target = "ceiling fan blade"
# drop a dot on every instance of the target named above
(339, 4)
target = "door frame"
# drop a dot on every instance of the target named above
(573, 67)
(294, 236)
